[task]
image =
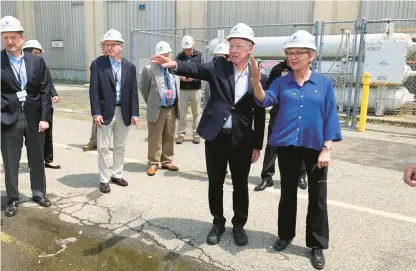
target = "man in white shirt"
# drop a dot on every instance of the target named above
(226, 125)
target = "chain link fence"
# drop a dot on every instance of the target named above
(338, 50)
(345, 50)
(391, 62)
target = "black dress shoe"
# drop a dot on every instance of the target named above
(240, 236)
(42, 201)
(48, 165)
(302, 182)
(263, 185)
(318, 259)
(11, 209)
(281, 245)
(105, 187)
(214, 235)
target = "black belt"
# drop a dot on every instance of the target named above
(167, 106)
(118, 104)
(226, 130)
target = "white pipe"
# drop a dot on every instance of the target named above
(391, 98)
(273, 46)
(408, 72)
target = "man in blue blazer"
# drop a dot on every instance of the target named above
(114, 106)
(226, 125)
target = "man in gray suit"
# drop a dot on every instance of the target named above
(160, 90)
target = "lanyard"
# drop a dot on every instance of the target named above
(115, 72)
(20, 69)
(241, 74)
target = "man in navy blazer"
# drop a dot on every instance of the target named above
(227, 127)
(25, 112)
(114, 106)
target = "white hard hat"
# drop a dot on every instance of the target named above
(300, 39)
(113, 34)
(32, 44)
(11, 24)
(162, 47)
(242, 31)
(187, 42)
(222, 48)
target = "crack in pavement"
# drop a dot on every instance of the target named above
(110, 217)
(139, 229)
(182, 238)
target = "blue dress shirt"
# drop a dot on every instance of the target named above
(19, 67)
(172, 81)
(307, 115)
(116, 67)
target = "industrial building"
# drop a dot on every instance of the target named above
(70, 30)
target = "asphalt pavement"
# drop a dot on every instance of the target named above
(372, 215)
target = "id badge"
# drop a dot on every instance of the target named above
(169, 94)
(21, 95)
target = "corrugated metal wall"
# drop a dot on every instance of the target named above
(62, 20)
(229, 13)
(122, 15)
(376, 10)
(8, 8)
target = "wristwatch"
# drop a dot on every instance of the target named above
(327, 147)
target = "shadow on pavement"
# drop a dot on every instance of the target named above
(86, 180)
(24, 167)
(195, 232)
(135, 167)
(78, 145)
(3, 201)
(203, 177)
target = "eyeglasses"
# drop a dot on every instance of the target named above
(110, 45)
(12, 38)
(239, 47)
(296, 54)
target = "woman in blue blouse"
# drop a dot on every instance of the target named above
(305, 126)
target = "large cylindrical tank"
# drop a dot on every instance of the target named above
(272, 47)
(391, 98)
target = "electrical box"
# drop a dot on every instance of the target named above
(385, 60)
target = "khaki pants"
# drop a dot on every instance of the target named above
(119, 132)
(186, 97)
(93, 138)
(161, 137)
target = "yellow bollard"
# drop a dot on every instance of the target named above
(364, 102)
